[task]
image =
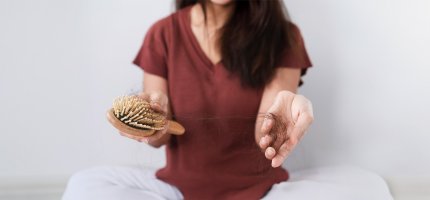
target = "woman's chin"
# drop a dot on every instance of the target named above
(221, 2)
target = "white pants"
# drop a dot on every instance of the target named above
(334, 183)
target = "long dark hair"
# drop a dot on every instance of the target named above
(254, 39)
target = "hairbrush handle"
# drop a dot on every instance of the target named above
(173, 127)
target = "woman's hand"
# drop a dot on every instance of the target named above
(158, 102)
(286, 122)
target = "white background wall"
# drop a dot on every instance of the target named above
(63, 62)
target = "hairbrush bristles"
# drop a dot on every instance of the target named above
(137, 113)
(133, 115)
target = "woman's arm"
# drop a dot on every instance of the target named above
(293, 112)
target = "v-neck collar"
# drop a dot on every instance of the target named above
(195, 42)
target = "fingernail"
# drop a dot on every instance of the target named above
(276, 163)
(262, 141)
(270, 152)
(273, 163)
(265, 126)
(146, 140)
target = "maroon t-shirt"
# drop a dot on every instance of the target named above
(217, 157)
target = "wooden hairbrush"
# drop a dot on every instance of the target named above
(133, 115)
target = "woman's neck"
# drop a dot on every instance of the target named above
(216, 15)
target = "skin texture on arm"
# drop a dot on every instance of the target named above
(288, 116)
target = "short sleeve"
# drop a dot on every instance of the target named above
(152, 56)
(296, 57)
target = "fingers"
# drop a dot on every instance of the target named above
(266, 126)
(276, 142)
(280, 121)
(294, 116)
(270, 153)
(144, 96)
(156, 136)
(158, 102)
(265, 141)
(304, 120)
(281, 133)
(273, 138)
(284, 151)
(281, 155)
(137, 138)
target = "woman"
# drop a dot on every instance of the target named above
(228, 71)
(225, 60)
